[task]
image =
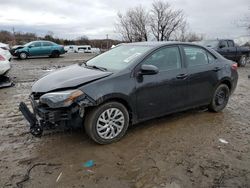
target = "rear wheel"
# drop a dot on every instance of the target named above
(55, 54)
(220, 98)
(107, 123)
(23, 55)
(243, 61)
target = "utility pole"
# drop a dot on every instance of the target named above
(14, 36)
(107, 40)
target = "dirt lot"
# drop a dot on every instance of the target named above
(181, 150)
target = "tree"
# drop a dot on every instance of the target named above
(83, 40)
(184, 35)
(133, 24)
(164, 20)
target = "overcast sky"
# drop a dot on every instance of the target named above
(96, 18)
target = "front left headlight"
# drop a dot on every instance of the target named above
(61, 98)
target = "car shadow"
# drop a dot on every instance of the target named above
(133, 129)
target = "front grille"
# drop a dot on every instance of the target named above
(53, 115)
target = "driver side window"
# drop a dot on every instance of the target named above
(36, 44)
(167, 58)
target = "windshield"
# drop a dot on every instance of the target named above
(118, 58)
(209, 43)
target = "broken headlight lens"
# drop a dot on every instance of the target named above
(61, 98)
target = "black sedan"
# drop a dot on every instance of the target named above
(129, 84)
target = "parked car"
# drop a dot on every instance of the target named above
(229, 50)
(95, 50)
(38, 48)
(4, 62)
(84, 48)
(71, 48)
(5, 51)
(6, 54)
(4, 46)
(129, 84)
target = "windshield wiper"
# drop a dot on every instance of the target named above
(95, 67)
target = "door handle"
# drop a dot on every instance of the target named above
(182, 76)
(216, 69)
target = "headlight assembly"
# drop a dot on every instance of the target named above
(61, 98)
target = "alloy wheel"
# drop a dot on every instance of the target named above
(23, 55)
(110, 123)
(221, 97)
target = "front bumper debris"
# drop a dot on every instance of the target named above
(44, 117)
(36, 128)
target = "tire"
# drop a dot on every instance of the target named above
(243, 61)
(55, 54)
(220, 98)
(98, 118)
(23, 55)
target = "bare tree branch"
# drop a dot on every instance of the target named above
(165, 21)
(133, 25)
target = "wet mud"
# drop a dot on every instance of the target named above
(195, 148)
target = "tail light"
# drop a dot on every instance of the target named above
(234, 66)
(2, 58)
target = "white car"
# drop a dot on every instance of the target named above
(71, 48)
(6, 54)
(84, 49)
(4, 62)
(4, 46)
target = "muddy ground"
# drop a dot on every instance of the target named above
(181, 150)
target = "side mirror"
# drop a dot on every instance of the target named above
(148, 70)
(31, 46)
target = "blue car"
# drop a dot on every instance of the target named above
(38, 48)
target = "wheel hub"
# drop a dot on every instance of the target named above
(220, 97)
(110, 123)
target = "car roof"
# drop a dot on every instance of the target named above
(160, 43)
(41, 41)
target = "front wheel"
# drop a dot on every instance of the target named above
(107, 123)
(220, 98)
(23, 55)
(243, 61)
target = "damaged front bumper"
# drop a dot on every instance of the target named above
(44, 117)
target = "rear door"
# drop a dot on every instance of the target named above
(164, 92)
(46, 48)
(202, 70)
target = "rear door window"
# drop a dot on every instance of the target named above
(211, 58)
(47, 44)
(196, 56)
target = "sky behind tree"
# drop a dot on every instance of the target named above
(96, 18)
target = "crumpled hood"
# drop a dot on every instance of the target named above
(67, 77)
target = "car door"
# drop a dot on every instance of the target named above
(231, 51)
(202, 70)
(46, 48)
(224, 49)
(35, 49)
(164, 92)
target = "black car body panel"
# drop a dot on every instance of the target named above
(145, 96)
(67, 77)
